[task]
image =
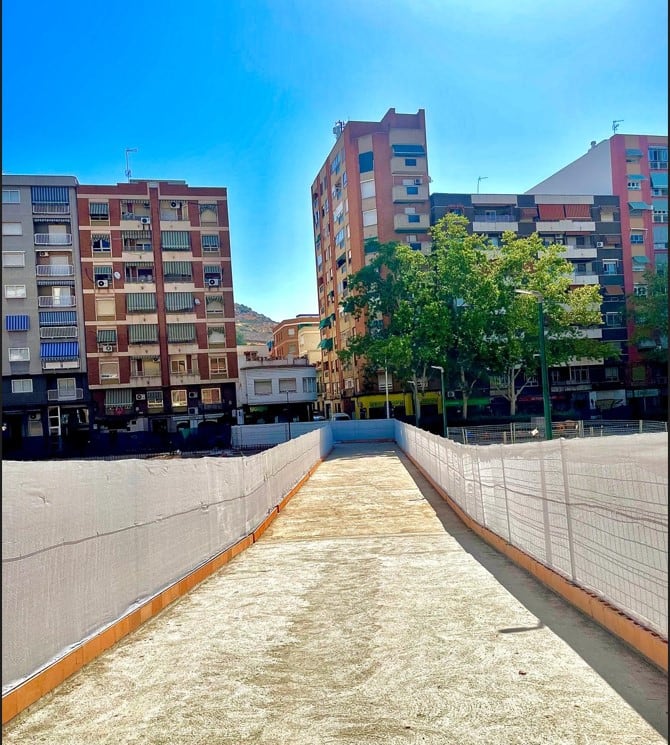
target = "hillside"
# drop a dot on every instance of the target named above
(252, 327)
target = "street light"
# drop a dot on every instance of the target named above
(444, 400)
(386, 387)
(543, 360)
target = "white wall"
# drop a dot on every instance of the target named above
(589, 174)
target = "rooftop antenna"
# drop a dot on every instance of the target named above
(129, 150)
(479, 180)
(615, 124)
(337, 129)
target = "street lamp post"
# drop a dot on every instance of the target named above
(445, 431)
(386, 387)
(546, 401)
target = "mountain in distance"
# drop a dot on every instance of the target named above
(252, 327)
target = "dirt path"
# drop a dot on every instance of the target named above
(366, 614)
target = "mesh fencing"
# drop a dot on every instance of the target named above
(596, 512)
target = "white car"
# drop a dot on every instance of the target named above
(340, 416)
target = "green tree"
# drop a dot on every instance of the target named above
(650, 316)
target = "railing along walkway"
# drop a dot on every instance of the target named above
(367, 613)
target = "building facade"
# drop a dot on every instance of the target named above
(635, 169)
(372, 185)
(158, 304)
(590, 229)
(46, 402)
(297, 336)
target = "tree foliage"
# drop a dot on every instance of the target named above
(650, 314)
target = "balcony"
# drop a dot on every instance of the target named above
(53, 239)
(54, 270)
(51, 208)
(400, 193)
(48, 301)
(402, 223)
(584, 279)
(73, 395)
(577, 252)
(185, 378)
(561, 226)
(145, 381)
(497, 224)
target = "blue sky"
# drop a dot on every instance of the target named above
(245, 93)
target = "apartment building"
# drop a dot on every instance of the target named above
(634, 168)
(590, 229)
(373, 184)
(158, 303)
(46, 403)
(299, 337)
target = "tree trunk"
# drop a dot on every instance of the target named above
(466, 394)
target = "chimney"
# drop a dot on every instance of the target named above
(593, 144)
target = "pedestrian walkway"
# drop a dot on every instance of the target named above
(367, 613)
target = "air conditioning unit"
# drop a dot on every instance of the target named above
(146, 204)
(43, 254)
(418, 182)
(107, 347)
(145, 220)
(193, 394)
(35, 417)
(213, 282)
(600, 244)
(175, 205)
(193, 411)
(102, 283)
(140, 396)
(451, 394)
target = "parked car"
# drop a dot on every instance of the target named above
(318, 418)
(340, 416)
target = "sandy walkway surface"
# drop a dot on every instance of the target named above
(366, 614)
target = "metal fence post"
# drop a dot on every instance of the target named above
(509, 524)
(545, 514)
(568, 515)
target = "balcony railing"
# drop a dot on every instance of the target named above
(47, 301)
(50, 208)
(494, 218)
(53, 239)
(75, 395)
(55, 270)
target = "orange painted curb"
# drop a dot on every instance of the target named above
(31, 690)
(643, 640)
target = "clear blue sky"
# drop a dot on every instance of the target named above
(244, 94)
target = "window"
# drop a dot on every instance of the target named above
(218, 366)
(632, 185)
(309, 385)
(179, 398)
(22, 385)
(640, 290)
(660, 213)
(413, 218)
(410, 161)
(15, 291)
(109, 370)
(412, 190)
(12, 228)
(369, 217)
(613, 320)
(637, 238)
(579, 374)
(18, 354)
(12, 259)
(216, 336)
(11, 196)
(263, 387)
(658, 158)
(210, 243)
(105, 308)
(101, 243)
(67, 388)
(660, 191)
(211, 395)
(367, 189)
(610, 266)
(291, 331)
(155, 399)
(179, 364)
(98, 211)
(366, 162)
(287, 385)
(611, 374)
(209, 214)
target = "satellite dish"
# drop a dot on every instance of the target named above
(196, 301)
(117, 275)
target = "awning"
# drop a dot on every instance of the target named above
(640, 260)
(324, 322)
(411, 150)
(614, 289)
(205, 207)
(212, 269)
(578, 211)
(176, 301)
(179, 268)
(98, 208)
(105, 336)
(210, 241)
(551, 211)
(58, 318)
(326, 344)
(119, 397)
(53, 194)
(62, 350)
(136, 234)
(639, 206)
(633, 152)
(216, 335)
(55, 282)
(612, 239)
(659, 180)
(635, 177)
(212, 299)
(101, 237)
(142, 333)
(175, 240)
(17, 323)
(660, 205)
(180, 332)
(102, 271)
(140, 264)
(528, 213)
(138, 301)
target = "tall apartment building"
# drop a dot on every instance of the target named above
(373, 184)
(44, 385)
(297, 337)
(635, 169)
(590, 229)
(158, 303)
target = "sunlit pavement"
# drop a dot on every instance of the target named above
(366, 614)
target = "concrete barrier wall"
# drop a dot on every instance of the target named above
(594, 512)
(259, 435)
(86, 542)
